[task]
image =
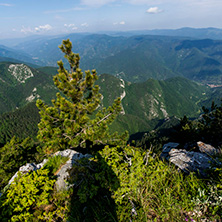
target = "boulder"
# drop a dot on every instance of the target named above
(61, 173)
(166, 149)
(189, 161)
(207, 148)
(24, 169)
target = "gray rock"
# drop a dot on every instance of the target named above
(166, 149)
(40, 165)
(24, 169)
(188, 161)
(207, 148)
(66, 153)
(61, 174)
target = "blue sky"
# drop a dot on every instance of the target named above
(20, 18)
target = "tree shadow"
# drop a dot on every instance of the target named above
(93, 185)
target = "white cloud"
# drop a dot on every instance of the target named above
(43, 28)
(40, 28)
(119, 23)
(6, 5)
(154, 10)
(26, 30)
(71, 26)
(85, 24)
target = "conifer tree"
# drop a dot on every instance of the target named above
(76, 119)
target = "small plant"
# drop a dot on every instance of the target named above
(55, 162)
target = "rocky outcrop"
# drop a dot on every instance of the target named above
(190, 161)
(61, 173)
(207, 148)
(27, 168)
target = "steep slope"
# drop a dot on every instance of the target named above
(20, 84)
(20, 123)
(145, 104)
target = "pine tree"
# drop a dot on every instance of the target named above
(76, 119)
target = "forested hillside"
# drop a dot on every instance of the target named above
(20, 84)
(20, 123)
(144, 105)
(88, 173)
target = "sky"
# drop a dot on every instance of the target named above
(20, 18)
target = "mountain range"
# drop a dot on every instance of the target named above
(157, 77)
(144, 104)
(134, 58)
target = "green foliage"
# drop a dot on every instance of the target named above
(54, 163)
(91, 198)
(25, 198)
(15, 154)
(166, 193)
(153, 189)
(21, 123)
(135, 185)
(209, 200)
(69, 122)
(211, 124)
(207, 128)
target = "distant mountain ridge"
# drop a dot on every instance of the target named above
(9, 54)
(137, 58)
(197, 33)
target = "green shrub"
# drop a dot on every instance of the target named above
(15, 154)
(32, 197)
(54, 163)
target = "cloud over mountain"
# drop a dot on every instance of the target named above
(154, 10)
(43, 28)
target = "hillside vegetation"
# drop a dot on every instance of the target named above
(144, 105)
(115, 181)
(20, 84)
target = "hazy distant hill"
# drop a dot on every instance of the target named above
(198, 33)
(9, 54)
(137, 58)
